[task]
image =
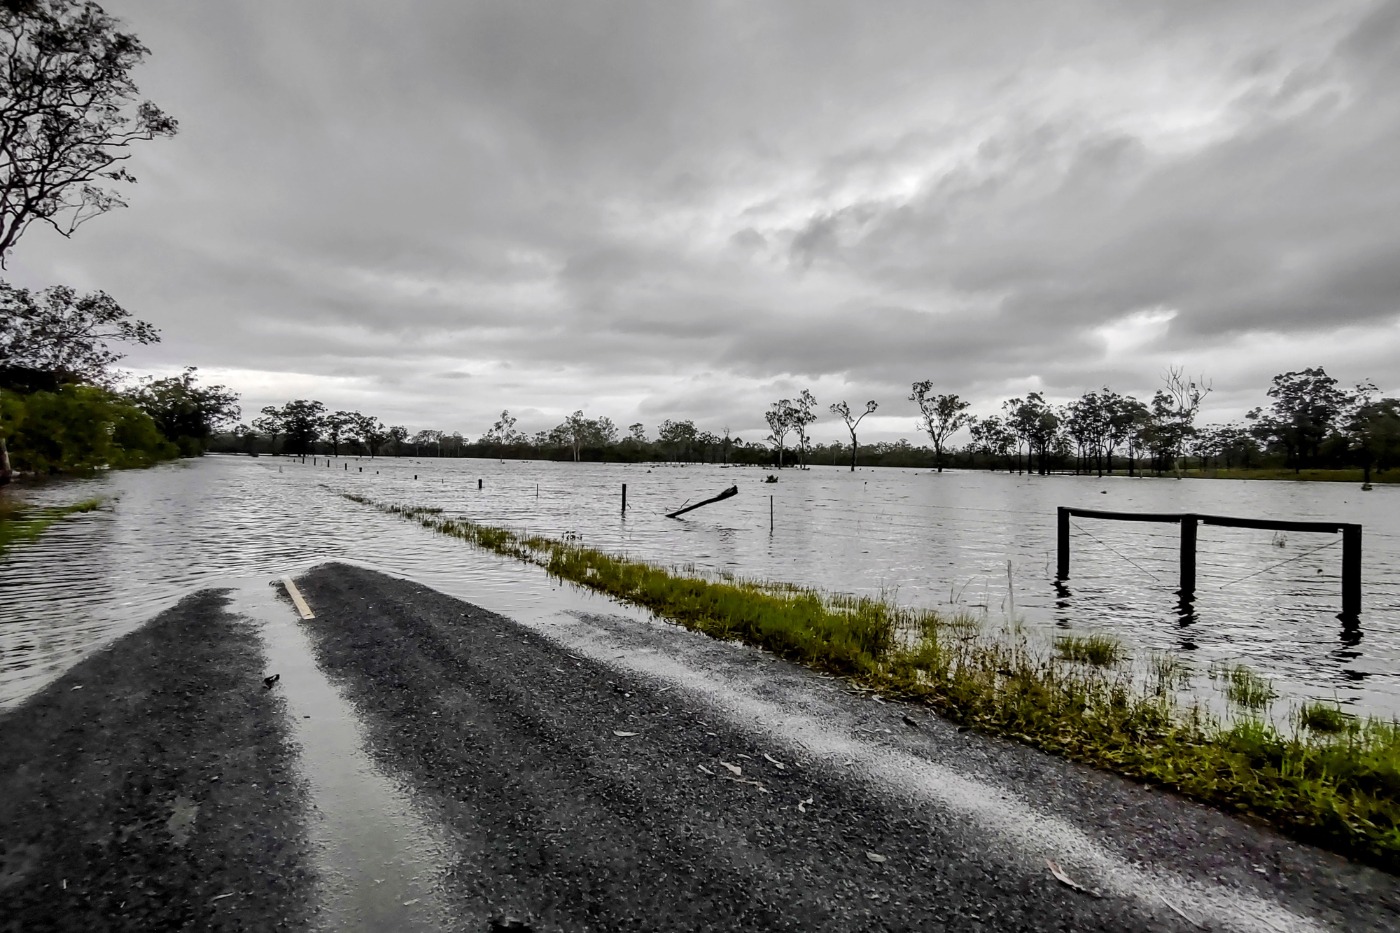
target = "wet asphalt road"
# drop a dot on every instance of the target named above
(153, 788)
(579, 772)
(584, 775)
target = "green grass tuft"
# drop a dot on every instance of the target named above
(1324, 717)
(1098, 650)
(1244, 687)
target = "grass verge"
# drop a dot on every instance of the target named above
(1340, 788)
(19, 524)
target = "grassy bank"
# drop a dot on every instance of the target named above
(18, 523)
(1328, 778)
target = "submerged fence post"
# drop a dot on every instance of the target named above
(624, 498)
(1062, 538)
(1188, 557)
(478, 483)
(770, 514)
(1351, 571)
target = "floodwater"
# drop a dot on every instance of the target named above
(978, 543)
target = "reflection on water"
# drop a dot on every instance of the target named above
(923, 539)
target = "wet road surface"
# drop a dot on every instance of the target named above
(422, 763)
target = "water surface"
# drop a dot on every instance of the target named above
(920, 538)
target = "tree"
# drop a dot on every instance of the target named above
(803, 417)
(302, 422)
(503, 431)
(368, 430)
(677, 437)
(69, 114)
(58, 332)
(57, 337)
(338, 427)
(941, 416)
(1035, 423)
(637, 432)
(270, 423)
(780, 417)
(396, 435)
(1122, 413)
(577, 432)
(1373, 427)
(993, 437)
(185, 412)
(844, 410)
(1307, 407)
(1174, 408)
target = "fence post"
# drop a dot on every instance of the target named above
(1188, 557)
(1351, 571)
(1062, 538)
(624, 498)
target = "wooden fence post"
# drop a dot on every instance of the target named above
(1351, 571)
(1188, 557)
(1062, 539)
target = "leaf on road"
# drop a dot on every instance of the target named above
(802, 804)
(1064, 879)
(623, 735)
(706, 770)
(876, 857)
(758, 784)
(733, 769)
(773, 761)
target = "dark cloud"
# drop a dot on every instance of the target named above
(690, 209)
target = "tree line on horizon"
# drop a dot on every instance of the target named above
(1311, 421)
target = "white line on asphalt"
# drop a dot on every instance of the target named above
(297, 601)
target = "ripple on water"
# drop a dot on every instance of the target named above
(922, 539)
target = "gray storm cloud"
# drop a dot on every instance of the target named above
(681, 209)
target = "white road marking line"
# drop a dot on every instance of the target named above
(297, 601)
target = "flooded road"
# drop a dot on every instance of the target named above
(921, 539)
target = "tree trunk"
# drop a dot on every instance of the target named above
(7, 474)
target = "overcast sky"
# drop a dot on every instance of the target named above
(432, 211)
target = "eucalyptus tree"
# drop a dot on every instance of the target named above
(396, 435)
(781, 422)
(338, 428)
(186, 412)
(941, 416)
(69, 115)
(301, 421)
(994, 438)
(503, 431)
(1035, 423)
(852, 422)
(1307, 407)
(1373, 427)
(369, 431)
(677, 437)
(803, 416)
(1174, 408)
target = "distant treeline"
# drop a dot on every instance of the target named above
(1310, 422)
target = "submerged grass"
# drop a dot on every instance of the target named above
(1244, 687)
(18, 524)
(1098, 650)
(1338, 787)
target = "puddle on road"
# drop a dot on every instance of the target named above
(378, 858)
